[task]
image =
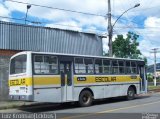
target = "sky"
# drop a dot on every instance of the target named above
(143, 20)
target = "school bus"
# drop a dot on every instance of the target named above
(58, 78)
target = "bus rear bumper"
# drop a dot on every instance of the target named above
(21, 97)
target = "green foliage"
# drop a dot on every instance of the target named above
(127, 47)
(150, 77)
(105, 54)
(145, 60)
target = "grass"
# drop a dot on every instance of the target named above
(153, 87)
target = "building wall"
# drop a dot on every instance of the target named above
(4, 71)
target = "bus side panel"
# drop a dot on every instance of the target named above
(118, 90)
(47, 95)
(105, 89)
(47, 88)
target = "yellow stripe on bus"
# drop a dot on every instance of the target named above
(103, 79)
(56, 80)
(20, 82)
(47, 80)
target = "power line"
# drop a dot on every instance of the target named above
(56, 8)
(134, 23)
(56, 24)
(147, 8)
(22, 19)
(137, 27)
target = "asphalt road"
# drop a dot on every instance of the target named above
(113, 108)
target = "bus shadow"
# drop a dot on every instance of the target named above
(117, 100)
(44, 107)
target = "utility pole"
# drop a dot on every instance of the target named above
(109, 29)
(155, 51)
(110, 26)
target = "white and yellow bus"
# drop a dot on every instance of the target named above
(58, 78)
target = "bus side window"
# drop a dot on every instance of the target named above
(115, 68)
(128, 67)
(133, 68)
(106, 66)
(89, 65)
(98, 66)
(79, 66)
(121, 66)
(53, 65)
(38, 60)
(45, 64)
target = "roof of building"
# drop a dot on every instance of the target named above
(14, 36)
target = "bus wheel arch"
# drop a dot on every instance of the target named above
(131, 92)
(86, 97)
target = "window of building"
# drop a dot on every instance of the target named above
(45, 64)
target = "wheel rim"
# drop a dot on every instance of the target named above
(130, 93)
(86, 98)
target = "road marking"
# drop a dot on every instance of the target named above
(123, 108)
(113, 110)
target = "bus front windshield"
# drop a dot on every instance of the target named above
(18, 64)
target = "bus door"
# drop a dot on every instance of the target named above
(66, 71)
(143, 81)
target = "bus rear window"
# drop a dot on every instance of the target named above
(18, 64)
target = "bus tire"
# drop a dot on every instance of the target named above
(130, 93)
(85, 98)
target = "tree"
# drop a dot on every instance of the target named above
(127, 47)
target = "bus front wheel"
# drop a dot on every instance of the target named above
(130, 93)
(85, 98)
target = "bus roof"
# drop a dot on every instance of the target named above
(75, 55)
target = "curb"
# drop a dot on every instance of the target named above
(14, 105)
(10, 107)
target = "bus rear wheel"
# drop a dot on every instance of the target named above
(130, 93)
(85, 98)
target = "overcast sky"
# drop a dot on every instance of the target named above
(143, 20)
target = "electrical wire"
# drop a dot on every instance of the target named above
(67, 10)
(56, 24)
